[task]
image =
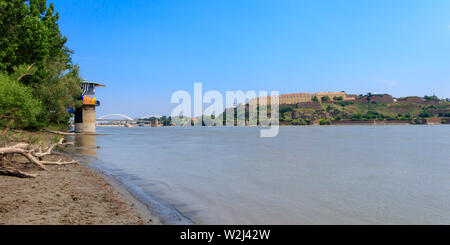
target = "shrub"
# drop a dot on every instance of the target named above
(326, 98)
(299, 122)
(431, 98)
(18, 107)
(284, 109)
(345, 103)
(425, 114)
(356, 117)
(329, 108)
(324, 121)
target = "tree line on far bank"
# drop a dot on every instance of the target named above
(38, 80)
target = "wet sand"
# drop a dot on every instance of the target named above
(69, 195)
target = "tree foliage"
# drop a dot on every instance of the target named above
(29, 34)
(18, 107)
(33, 52)
(326, 99)
(431, 98)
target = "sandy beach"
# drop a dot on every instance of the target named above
(69, 195)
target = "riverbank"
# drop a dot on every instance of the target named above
(68, 195)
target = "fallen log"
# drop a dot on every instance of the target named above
(33, 156)
(59, 132)
(23, 152)
(59, 162)
(48, 151)
(15, 173)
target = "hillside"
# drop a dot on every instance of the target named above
(329, 112)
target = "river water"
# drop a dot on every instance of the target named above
(305, 175)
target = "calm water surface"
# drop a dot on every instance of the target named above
(306, 175)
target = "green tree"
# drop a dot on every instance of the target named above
(58, 91)
(369, 99)
(324, 121)
(329, 108)
(425, 113)
(284, 109)
(32, 45)
(326, 99)
(29, 34)
(356, 117)
(431, 98)
(18, 107)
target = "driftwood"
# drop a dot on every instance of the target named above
(34, 156)
(59, 132)
(26, 153)
(49, 150)
(15, 172)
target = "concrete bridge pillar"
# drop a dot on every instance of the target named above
(85, 119)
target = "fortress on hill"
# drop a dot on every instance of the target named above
(289, 99)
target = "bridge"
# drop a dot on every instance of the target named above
(124, 118)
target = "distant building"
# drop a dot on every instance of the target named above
(431, 102)
(350, 97)
(155, 123)
(439, 112)
(413, 99)
(332, 95)
(295, 98)
(379, 98)
(292, 99)
(434, 121)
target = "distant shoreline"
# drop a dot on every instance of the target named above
(333, 123)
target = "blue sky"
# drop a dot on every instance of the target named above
(145, 50)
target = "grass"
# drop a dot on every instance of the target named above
(31, 137)
(57, 127)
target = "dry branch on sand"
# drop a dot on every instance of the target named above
(8, 171)
(33, 155)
